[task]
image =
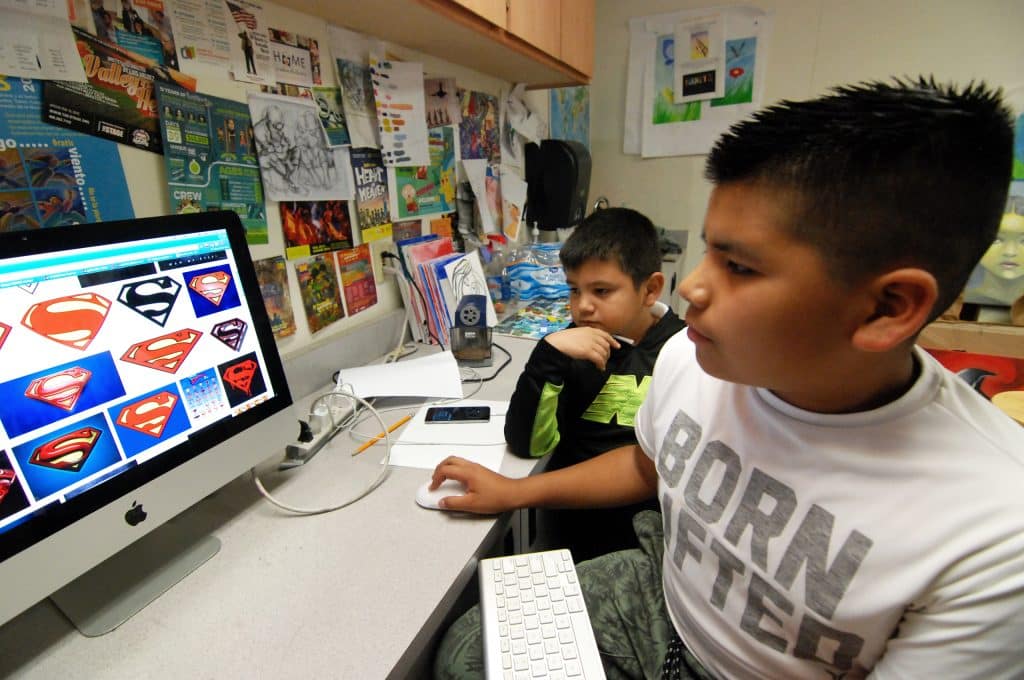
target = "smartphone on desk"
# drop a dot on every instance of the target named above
(458, 414)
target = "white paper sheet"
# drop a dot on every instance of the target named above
(436, 375)
(424, 446)
(401, 111)
(36, 42)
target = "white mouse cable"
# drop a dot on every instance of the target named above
(373, 484)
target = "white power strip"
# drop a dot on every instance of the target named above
(301, 452)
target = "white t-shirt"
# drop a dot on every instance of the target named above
(808, 545)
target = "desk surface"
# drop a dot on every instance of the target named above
(339, 595)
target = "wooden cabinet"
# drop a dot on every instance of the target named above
(577, 35)
(521, 41)
(538, 22)
(495, 11)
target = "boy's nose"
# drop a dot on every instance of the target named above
(693, 287)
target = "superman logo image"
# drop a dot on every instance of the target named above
(164, 353)
(7, 478)
(61, 389)
(150, 415)
(69, 451)
(211, 285)
(73, 320)
(5, 332)
(152, 298)
(242, 379)
(230, 332)
(240, 376)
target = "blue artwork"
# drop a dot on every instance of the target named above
(50, 175)
(570, 114)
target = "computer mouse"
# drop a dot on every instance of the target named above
(429, 499)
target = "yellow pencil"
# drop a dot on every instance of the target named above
(370, 442)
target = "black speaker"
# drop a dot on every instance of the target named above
(558, 180)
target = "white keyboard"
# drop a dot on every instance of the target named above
(535, 623)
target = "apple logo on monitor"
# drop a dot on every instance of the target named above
(135, 514)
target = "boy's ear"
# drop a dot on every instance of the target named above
(899, 304)
(651, 288)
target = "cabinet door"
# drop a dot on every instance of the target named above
(538, 22)
(492, 10)
(577, 35)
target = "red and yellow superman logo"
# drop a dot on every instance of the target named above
(72, 320)
(149, 415)
(165, 352)
(61, 389)
(68, 451)
(211, 285)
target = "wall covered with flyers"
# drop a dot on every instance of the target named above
(321, 139)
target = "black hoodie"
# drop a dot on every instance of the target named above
(579, 411)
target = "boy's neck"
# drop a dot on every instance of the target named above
(654, 313)
(883, 381)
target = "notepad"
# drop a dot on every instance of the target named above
(435, 375)
(424, 446)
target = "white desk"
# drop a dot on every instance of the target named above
(358, 593)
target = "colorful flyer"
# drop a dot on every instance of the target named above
(49, 175)
(478, 130)
(318, 284)
(139, 26)
(251, 59)
(357, 279)
(314, 227)
(371, 189)
(332, 115)
(210, 157)
(119, 101)
(273, 278)
(429, 189)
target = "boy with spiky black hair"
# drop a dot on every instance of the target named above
(835, 503)
(579, 391)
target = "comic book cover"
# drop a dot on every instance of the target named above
(357, 278)
(318, 284)
(119, 101)
(406, 229)
(371, 189)
(273, 279)
(314, 227)
(999, 379)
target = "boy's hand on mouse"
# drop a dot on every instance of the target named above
(487, 492)
(585, 343)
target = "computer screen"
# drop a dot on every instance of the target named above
(127, 350)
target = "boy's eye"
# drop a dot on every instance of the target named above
(737, 268)
(574, 291)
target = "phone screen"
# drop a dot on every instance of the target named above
(458, 414)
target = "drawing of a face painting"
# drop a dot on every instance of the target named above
(466, 281)
(1005, 257)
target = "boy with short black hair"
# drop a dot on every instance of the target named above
(836, 504)
(582, 385)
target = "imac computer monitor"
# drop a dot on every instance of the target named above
(138, 374)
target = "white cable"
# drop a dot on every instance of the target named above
(370, 487)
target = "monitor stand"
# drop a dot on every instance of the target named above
(114, 590)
